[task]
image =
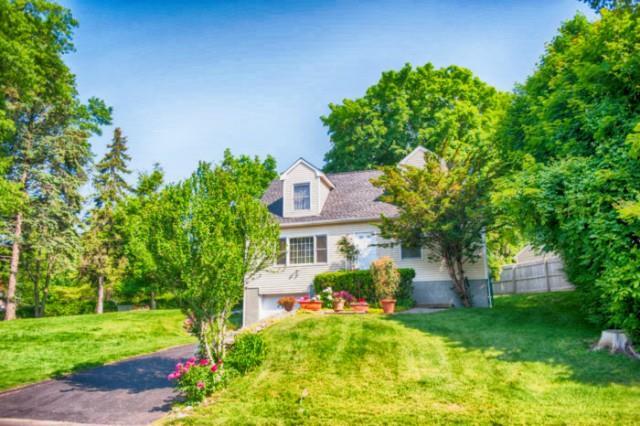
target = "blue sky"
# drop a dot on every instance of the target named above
(189, 79)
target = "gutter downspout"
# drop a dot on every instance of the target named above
(486, 270)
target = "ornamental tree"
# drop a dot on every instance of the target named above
(211, 234)
(443, 207)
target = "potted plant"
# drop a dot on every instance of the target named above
(310, 303)
(287, 303)
(386, 279)
(339, 300)
(360, 306)
(326, 297)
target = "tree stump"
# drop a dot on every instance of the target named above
(616, 341)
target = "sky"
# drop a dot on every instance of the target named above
(189, 79)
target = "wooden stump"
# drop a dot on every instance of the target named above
(616, 341)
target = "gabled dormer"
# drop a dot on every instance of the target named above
(415, 158)
(304, 189)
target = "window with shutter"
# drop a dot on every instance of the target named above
(300, 250)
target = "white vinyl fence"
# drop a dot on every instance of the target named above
(534, 277)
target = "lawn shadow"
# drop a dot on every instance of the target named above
(551, 331)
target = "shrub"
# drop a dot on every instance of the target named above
(326, 297)
(359, 283)
(197, 379)
(386, 277)
(287, 303)
(248, 352)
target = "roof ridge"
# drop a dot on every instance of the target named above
(352, 172)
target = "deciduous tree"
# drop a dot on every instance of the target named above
(211, 235)
(572, 130)
(443, 207)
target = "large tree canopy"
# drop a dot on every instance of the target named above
(410, 107)
(208, 236)
(573, 128)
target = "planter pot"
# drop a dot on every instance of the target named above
(313, 306)
(303, 305)
(360, 307)
(338, 306)
(388, 305)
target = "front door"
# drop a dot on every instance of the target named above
(365, 241)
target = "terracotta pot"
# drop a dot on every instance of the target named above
(388, 305)
(338, 305)
(313, 306)
(360, 306)
(303, 305)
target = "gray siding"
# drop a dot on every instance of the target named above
(441, 292)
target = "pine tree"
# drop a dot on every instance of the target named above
(103, 244)
(44, 128)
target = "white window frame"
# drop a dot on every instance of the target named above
(315, 250)
(300, 184)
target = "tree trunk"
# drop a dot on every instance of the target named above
(100, 302)
(153, 300)
(35, 277)
(10, 312)
(456, 272)
(36, 299)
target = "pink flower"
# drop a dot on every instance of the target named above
(200, 385)
(179, 366)
(214, 368)
(204, 362)
(192, 360)
(171, 376)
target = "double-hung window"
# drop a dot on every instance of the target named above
(303, 250)
(302, 196)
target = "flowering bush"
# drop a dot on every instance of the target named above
(287, 303)
(197, 378)
(326, 296)
(344, 296)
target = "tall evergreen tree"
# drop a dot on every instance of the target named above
(103, 244)
(44, 128)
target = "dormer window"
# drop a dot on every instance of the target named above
(302, 196)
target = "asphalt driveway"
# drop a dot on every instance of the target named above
(131, 392)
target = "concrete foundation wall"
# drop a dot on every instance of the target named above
(441, 292)
(251, 308)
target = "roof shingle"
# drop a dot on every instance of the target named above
(354, 197)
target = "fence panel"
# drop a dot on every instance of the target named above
(534, 277)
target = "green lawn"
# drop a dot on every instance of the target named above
(526, 361)
(36, 349)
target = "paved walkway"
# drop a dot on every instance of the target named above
(130, 392)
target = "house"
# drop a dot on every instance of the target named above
(315, 210)
(529, 254)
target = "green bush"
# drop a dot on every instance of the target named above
(248, 352)
(360, 285)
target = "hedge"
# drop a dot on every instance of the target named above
(360, 284)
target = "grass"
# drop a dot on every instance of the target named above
(36, 349)
(525, 361)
